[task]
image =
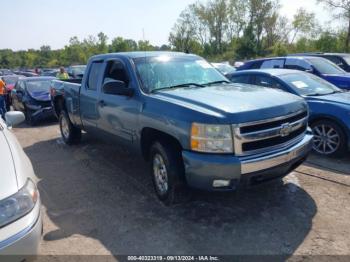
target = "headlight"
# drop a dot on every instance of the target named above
(18, 205)
(211, 138)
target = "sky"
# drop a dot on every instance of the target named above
(33, 23)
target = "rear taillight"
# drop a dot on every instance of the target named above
(52, 92)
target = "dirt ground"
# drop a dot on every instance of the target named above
(98, 199)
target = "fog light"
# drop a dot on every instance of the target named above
(221, 183)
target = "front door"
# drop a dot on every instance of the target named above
(118, 113)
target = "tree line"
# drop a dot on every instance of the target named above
(216, 29)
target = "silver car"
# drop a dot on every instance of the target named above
(20, 214)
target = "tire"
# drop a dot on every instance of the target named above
(70, 134)
(329, 138)
(166, 166)
(29, 119)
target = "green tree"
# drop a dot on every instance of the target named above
(183, 35)
(246, 47)
(303, 23)
(279, 49)
(342, 11)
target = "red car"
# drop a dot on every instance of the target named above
(10, 81)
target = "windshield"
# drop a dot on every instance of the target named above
(78, 70)
(168, 71)
(308, 84)
(38, 86)
(326, 67)
(347, 59)
(224, 68)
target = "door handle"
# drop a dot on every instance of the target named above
(102, 103)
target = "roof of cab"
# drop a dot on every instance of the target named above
(140, 54)
(37, 78)
(286, 57)
(272, 71)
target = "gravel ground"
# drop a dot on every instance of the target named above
(99, 200)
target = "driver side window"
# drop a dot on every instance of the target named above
(266, 81)
(297, 64)
(115, 71)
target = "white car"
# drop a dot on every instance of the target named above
(20, 214)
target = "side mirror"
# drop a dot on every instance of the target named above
(14, 118)
(310, 70)
(118, 88)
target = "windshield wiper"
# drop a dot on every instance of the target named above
(336, 92)
(217, 82)
(177, 86)
(316, 94)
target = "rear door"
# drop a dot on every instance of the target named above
(89, 96)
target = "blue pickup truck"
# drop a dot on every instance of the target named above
(191, 124)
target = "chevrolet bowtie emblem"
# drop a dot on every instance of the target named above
(285, 130)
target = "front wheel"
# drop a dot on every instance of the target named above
(329, 138)
(70, 134)
(167, 173)
(29, 117)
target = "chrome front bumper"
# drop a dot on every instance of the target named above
(254, 164)
(204, 170)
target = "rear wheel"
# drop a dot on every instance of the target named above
(70, 134)
(167, 173)
(329, 138)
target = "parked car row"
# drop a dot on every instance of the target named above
(329, 106)
(322, 83)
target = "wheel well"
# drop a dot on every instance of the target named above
(59, 105)
(150, 135)
(336, 121)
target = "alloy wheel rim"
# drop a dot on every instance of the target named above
(326, 139)
(65, 127)
(160, 174)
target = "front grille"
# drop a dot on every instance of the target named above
(266, 143)
(261, 136)
(277, 123)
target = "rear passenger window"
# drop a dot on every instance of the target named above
(95, 72)
(277, 63)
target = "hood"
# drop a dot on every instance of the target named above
(8, 185)
(40, 95)
(341, 81)
(237, 103)
(338, 98)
